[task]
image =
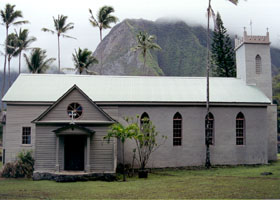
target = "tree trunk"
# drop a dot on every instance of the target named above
(124, 178)
(144, 66)
(101, 54)
(9, 71)
(58, 45)
(207, 162)
(19, 63)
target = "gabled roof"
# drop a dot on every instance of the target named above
(74, 87)
(110, 89)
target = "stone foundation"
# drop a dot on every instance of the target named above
(71, 177)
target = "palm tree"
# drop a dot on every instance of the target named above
(210, 13)
(84, 59)
(9, 16)
(103, 21)
(60, 29)
(37, 61)
(11, 51)
(145, 43)
(23, 42)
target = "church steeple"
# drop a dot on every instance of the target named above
(253, 61)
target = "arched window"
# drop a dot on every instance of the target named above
(209, 129)
(177, 129)
(240, 129)
(258, 64)
(144, 118)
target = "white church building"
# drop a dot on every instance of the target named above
(40, 116)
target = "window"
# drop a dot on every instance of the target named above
(209, 129)
(240, 129)
(74, 110)
(144, 118)
(177, 129)
(26, 135)
(258, 64)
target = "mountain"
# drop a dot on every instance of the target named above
(183, 49)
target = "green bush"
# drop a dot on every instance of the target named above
(23, 167)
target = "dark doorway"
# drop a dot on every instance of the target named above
(74, 153)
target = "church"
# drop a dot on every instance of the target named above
(63, 118)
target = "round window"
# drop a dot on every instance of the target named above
(74, 110)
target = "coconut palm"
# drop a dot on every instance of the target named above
(103, 21)
(145, 43)
(9, 17)
(210, 13)
(23, 42)
(11, 51)
(61, 27)
(84, 59)
(37, 61)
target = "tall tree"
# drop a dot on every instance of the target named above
(83, 59)
(222, 52)
(23, 42)
(210, 13)
(145, 43)
(9, 17)
(61, 27)
(11, 51)
(37, 61)
(103, 21)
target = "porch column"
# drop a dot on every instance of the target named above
(88, 154)
(56, 154)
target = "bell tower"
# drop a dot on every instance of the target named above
(253, 62)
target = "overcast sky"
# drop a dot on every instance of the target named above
(263, 13)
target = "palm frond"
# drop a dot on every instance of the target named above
(48, 30)
(21, 22)
(67, 36)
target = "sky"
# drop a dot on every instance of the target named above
(263, 14)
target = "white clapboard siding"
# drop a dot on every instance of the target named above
(19, 116)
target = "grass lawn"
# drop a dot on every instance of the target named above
(228, 182)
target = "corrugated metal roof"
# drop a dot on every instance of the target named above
(49, 87)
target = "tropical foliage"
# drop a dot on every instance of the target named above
(23, 43)
(145, 137)
(61, 27)
(11, 51)
(104, 18)
(83, 59)
(222, 52)
(37, 61)
(103, 21)
(122, 133)
(145, 43)
(22, 167)
(9, 17)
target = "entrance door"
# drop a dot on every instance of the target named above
(74, 153)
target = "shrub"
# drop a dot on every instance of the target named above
(23, 167)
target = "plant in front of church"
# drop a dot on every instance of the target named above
(222, 57)
(145, 137)
(122, 133)
(37, 62)
(22, 167)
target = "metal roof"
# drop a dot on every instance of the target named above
(50, 87)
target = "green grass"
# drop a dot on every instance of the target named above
(241, 182)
